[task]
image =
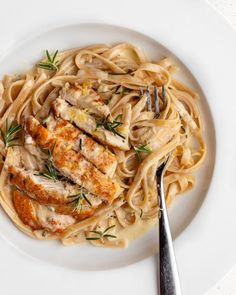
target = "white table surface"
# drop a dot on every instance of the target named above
(24, 275)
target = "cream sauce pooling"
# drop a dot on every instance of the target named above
(137, 230)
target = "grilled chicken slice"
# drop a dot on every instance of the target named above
(85, 99)
(94, 152)
(64, 197)
(86, 122)
(39, 216)
(71, 164)
(44, 190)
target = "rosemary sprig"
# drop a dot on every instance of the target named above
(99, 235)
(50, 152)
(51, 64)
(111, 126)
(51, 172)
(143, 148)
(141, 213)
(77, 201)
(80, 144)
(9, 136)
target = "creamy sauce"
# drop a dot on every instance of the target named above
(137, 230)
(53, 221)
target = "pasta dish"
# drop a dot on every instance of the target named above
(82, 135)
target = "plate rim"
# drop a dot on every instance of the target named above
(41, 32)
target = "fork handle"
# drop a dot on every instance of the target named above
(168, 275)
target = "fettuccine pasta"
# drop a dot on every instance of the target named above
(82, 135)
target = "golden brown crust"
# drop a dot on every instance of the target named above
(101, 157)
(78, 215)
(46, 197)
(72, 164)
(26, 210)
(40, 134)
(37, 191)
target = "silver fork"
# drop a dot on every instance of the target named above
(168, 274)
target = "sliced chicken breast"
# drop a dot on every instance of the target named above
(44, 190)
(86, 122)
(71, 164)
(64, 197)
(39, 216)
(85, 99)
(96, 153)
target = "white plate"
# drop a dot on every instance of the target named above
(184, 208)
(206, 43)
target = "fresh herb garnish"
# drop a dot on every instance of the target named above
(50, 152)
(80, 144)
(77, 201)
(51, 172)
(9, 136)
(111, 126)
(101, 234)
(141, 213)
(51, 64)
(143, 148)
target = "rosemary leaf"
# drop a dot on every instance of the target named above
(51, 172)
(110, 126)
(143, 148)
(110, 236)
(80, 144)
(87, 200)
(92, 239)
(103, 234)
(10, 134)
(51, 64)
(54, 56)
(109, 228)
(141, 213)
(77, 199)
(48, 56)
